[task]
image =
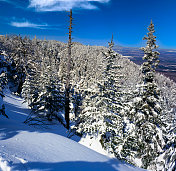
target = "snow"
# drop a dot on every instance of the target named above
(94, 144)
(27, 148)
(3, 165)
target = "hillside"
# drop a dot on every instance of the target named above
(27, 148)
(118, 108)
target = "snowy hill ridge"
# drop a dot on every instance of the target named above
(26, 148)
(118, 108)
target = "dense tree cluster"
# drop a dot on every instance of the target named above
(3, 83)
(130, 109)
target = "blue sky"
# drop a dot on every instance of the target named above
(95, 20)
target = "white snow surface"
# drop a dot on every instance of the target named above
(27, 148)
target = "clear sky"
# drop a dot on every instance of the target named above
(95, 20)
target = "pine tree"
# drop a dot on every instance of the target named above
(44, 87)
(100, 114)
(111, 93)
(90, 121)
(51, 97)
(18, 51)
(144, 111)
(167, 159)
(112, 80)
(169, 155)
(3, 82)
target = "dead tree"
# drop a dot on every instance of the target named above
(67, 88)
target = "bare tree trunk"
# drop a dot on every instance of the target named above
(67, 91)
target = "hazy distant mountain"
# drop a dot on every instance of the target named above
(167, 59)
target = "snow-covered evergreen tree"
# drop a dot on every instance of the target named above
(111, 93)
(112, 88)
(30, 89)
(144, 112)
(87, 71)
(169, 155)
(100, 114)
(51, 97)
(90, 120)
(42, 88)
(3, 82)
(18, 51)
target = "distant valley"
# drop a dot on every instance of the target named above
(167, 57)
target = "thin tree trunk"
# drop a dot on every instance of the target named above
(67, 92)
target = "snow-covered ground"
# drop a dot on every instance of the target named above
(26, 148)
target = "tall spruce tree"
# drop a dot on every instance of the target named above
(100, 114)
(144, 112)
(112, 80)
(111, 93)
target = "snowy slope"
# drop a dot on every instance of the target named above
(26, 148)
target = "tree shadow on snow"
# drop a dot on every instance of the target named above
(15, 124)
(12, 126)
(111, 165)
